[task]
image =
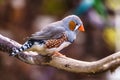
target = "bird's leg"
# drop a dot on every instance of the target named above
(56, 53)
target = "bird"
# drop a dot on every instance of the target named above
(53, 38)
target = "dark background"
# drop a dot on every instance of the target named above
(20, 18)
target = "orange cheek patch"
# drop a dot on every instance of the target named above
(72, 25)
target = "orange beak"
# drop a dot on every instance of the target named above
(81, 28)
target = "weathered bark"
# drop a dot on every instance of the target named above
(61, 61)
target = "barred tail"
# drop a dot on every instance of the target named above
(24, 47)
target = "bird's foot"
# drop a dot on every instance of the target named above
(57, 54)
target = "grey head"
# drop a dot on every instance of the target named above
(72, 24)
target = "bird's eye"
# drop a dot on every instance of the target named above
(72, 25)
(76, 23)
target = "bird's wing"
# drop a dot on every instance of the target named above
(49, 33)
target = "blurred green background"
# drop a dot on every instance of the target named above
(20, 18)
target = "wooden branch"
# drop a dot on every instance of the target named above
(61, 61)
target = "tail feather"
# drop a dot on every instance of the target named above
(24, 47)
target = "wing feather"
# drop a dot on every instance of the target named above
(52, 32)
